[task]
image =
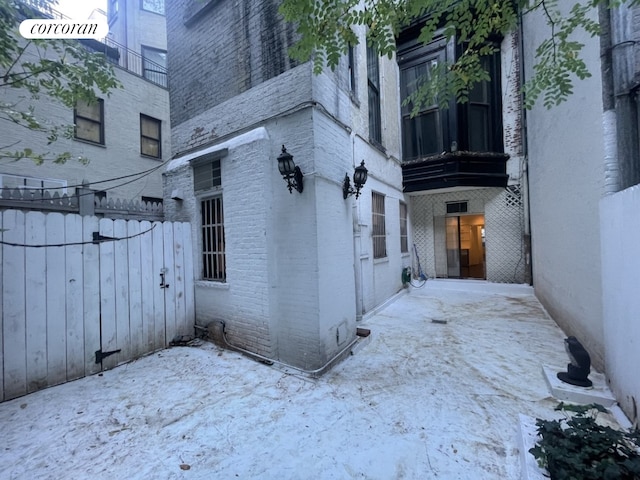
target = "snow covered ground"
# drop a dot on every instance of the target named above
(420, 400)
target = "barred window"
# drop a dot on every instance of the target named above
(378, 231)
(404, 240)
(213, 247)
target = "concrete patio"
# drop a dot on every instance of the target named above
(419, 400)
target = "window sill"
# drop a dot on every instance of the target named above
(376, 261)
(212, 284)
(151, 157)
(151, 11)
(89, 142)
(405, 254)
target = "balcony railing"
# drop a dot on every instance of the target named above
(129, 60)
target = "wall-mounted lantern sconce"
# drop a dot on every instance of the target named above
(359, 179)
(289, 171)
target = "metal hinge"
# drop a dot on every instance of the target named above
(100, 355)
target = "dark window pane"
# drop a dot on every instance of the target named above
(422, 135)
(479, 128)
(88, 130)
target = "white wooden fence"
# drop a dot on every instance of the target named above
(64, 306)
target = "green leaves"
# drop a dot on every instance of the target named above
(578, 447)
(326, 30)
(61, 69)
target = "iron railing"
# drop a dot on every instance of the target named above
(117, 54)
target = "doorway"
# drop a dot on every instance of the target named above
(464, 245)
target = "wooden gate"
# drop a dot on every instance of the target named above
(82, 294)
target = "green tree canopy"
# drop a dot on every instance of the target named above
(326, 30)
(60, 69)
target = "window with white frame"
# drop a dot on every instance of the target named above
(378, 230)
(404, 239)
(207, 181)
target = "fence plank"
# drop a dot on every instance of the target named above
(91, 294)
(170, 295)
(13, 297)
(158, 293)
(147, 284)
(178, 292)
(189, 300)
(135, 290)
(74, 297)
(56, 321)
(36, 299)
(1, 313)
(107, 295)
(123, 333)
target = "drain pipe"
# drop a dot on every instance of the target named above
(609, 120)
(313, 373)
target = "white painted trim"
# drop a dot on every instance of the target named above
(251, 136)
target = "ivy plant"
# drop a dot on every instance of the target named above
(579, 448)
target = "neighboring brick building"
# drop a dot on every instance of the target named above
(127, 132)
(289, 274)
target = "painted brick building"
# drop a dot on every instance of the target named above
(125, 133)
(288, 273)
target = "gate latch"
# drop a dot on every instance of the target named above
(163, 284)
(100, 355)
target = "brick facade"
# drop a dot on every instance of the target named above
(291, 287)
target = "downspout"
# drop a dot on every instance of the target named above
(609, 121)
(525, 161)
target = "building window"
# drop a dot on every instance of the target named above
(457, 207)
(207, 175)
(89, 121)
(472, 126)
(150, 138)
(213, 248)
(207, 182)
(373, 81)
(351, 56)
(404, 238)
(378, 230)
(155, 6)
(154, 65)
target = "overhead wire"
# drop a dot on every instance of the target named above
(139, 176)
(70, 244)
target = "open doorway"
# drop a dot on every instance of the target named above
(464, 244)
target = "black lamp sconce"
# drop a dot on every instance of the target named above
(359, 179)
(289, 171)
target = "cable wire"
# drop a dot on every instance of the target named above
(100, 240)
(40, 199)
